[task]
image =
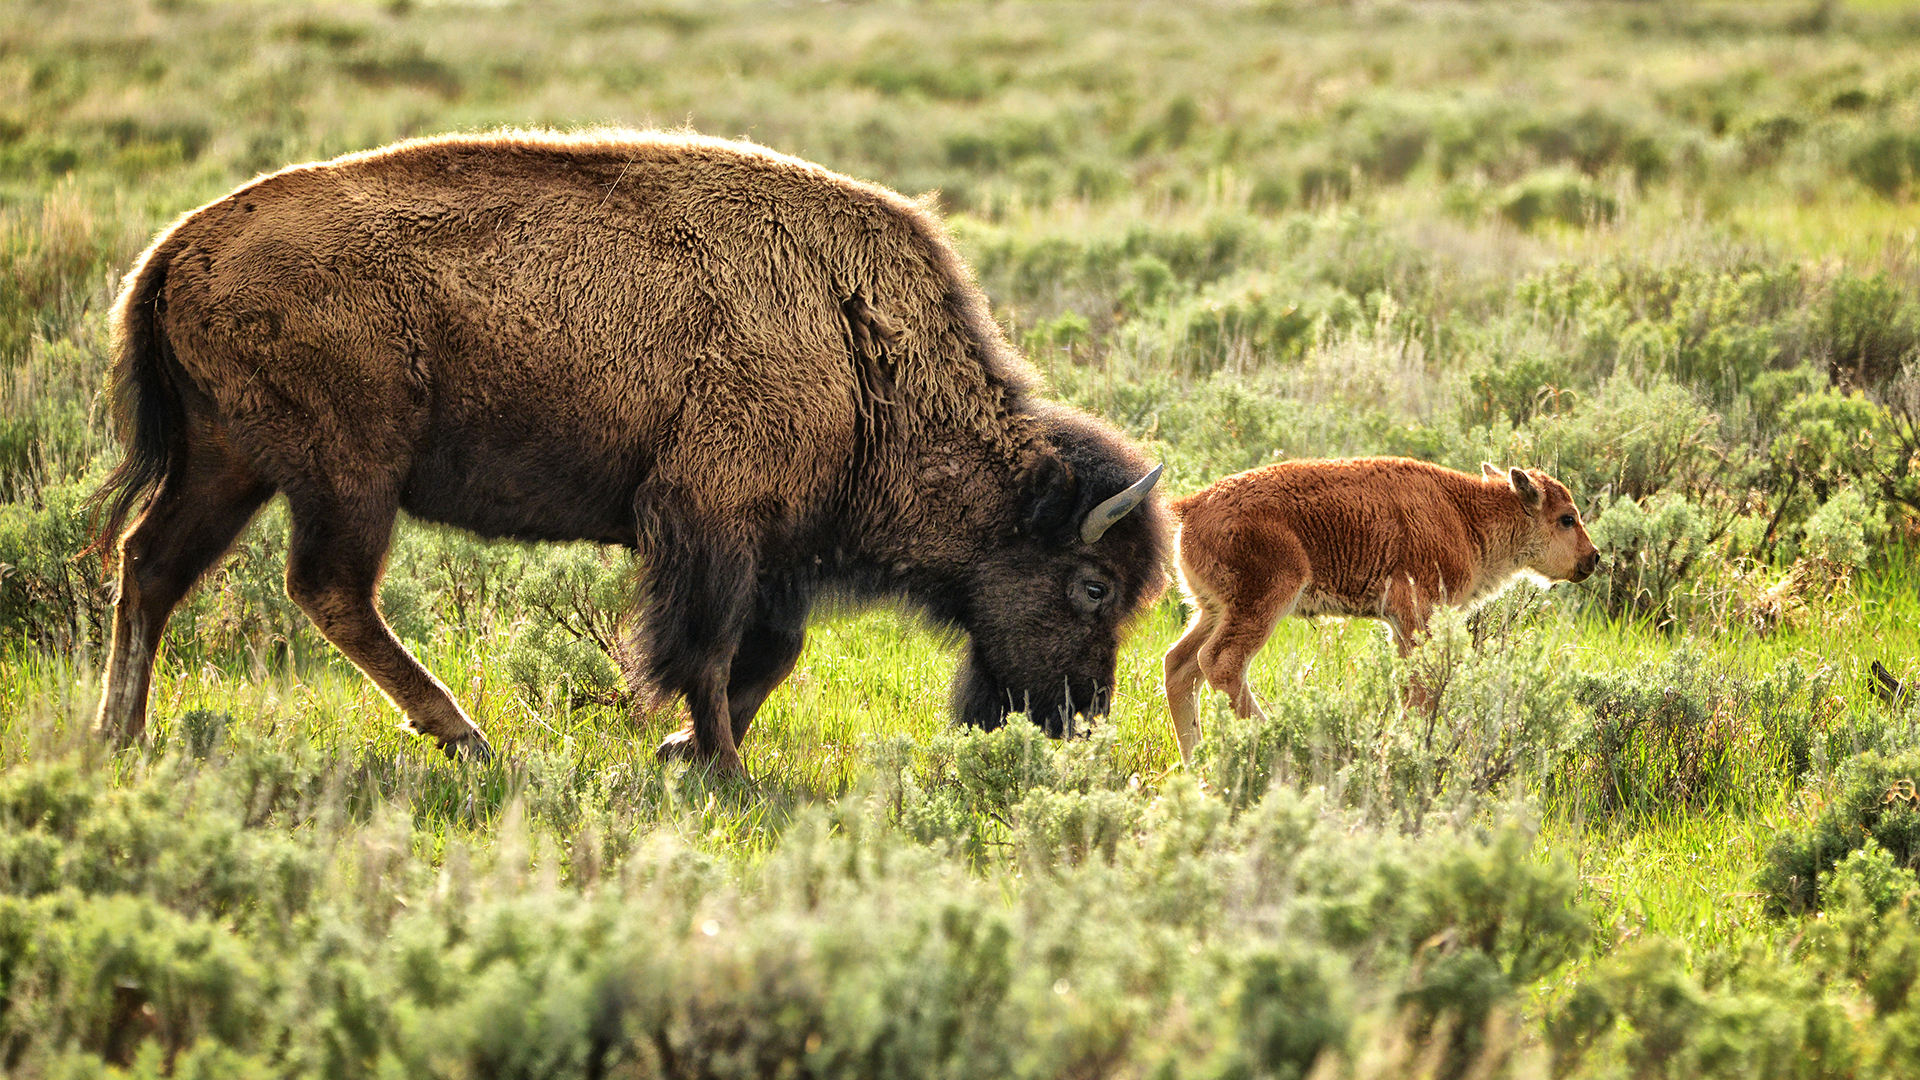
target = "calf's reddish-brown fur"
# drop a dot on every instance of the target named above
(773, 382)
(1382, 537)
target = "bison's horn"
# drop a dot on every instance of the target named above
(1102, 517)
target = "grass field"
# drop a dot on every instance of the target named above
(1656, 825)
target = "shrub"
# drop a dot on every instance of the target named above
(1648, 554)
(241, 606)
(1289, 1012)
(1841, 531)
(1870, 877)
(1594, 141)
(1564, 198)
(1649, 1008)
(573, 646)
(53, 257)
(1874, 800)
(1499, 921)
(1515, 391)
(1630, 441)
(1679, 736)
(1828, 446)
(1869, 329)
(1887, 163)
(48, 435)
(1248, 324)
(50, 596)
(1496, 715)
(234, 907)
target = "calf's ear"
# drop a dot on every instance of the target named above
(1492, 472)
(1524, 487)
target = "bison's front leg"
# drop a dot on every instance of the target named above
(766, 656)
(699, 601)
(703, 740)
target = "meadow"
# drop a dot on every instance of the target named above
(1664, 823)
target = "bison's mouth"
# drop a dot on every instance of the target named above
(1067, 709)
(1071, 714)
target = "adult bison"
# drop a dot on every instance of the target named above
(1381, 537)
(774, 382)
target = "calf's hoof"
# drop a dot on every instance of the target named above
(115, 738)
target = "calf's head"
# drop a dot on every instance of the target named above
(1559, 547)
(1046, 606)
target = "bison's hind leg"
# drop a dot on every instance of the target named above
(200, 508)
(338, 553)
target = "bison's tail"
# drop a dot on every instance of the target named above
(147, 412)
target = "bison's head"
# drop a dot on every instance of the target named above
(1561, 549)
(1083, 552)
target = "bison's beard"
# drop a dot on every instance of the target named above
(982, 701)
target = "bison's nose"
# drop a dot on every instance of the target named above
(1588, 565)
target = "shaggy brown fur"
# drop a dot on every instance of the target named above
(1381, 537)
(770, 380)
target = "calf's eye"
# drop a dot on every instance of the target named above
(1566, 521)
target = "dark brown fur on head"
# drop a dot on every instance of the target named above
(1047, 609)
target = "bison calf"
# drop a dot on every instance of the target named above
(1381, 537)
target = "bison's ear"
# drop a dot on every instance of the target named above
(1051, 492)
(1492, 472)
(1524, 487)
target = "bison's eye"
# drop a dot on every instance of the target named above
(1089, 594)
(1567, 521)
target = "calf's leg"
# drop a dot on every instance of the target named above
(1406, 610)
(1259, 599)
(190, 523)
(1227, 656)
(1182, 671)
(338, 553)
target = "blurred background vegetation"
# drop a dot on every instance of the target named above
(1657, 825)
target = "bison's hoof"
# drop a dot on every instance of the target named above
(678, 746)
(470, 747)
